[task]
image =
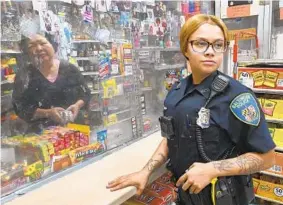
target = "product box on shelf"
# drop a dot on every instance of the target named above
(81, 153)
(160, 192)
(277, 168)
(277, 135)
(165, 179)
(60, 163)
(266, 78)
(272, 107)
(147, 197)
(38, 150)
(269, 190)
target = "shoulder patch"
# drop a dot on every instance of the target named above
(246, 109)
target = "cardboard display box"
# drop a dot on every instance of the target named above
(266, 78)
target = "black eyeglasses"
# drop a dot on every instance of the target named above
(201, 46)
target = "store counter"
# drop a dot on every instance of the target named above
(87, 186)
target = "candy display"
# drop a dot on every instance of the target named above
(266, 78)
(161, 191)
(36, 155)
(269, 187)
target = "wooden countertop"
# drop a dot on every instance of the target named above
(87, 186)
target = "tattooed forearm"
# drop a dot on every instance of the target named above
(154, 163)
(249, 164)
(224, 165)
(244, 164)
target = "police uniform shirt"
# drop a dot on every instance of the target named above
(236, 119)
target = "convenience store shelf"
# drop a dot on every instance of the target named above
(82, 58)
(278, 121)
(122, 111)
(260, 61)
(95, 92)
(120, 121)
(268, 199)
(10, 40)
(10, 52)
(6, 82)
(90, 73)
(85, 41)
(169, 67)
(158, 49)
(272, 174)
(268, 91)
(146, 89)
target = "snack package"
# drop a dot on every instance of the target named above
(104, 66)
(258, 77)
(82, 153)
(164, 192)
(165, 179)
(270, 79)
(147, 197)
(102, 138)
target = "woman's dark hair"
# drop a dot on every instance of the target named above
(25, 40)
(27, 62)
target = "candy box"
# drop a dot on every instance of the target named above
(268, 190)
(272, 108)
(61, 163)
(82, 153)
(147, 198)
(165, 179)
(164, 192)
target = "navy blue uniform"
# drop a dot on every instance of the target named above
(236, 120)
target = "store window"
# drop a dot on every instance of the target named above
(276, 51)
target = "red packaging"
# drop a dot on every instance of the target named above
(54, 142)
(67, 145)
(56, 149)
(62, 146)
(164, 192)
(148, 198)
(165, 179)
(77, 133)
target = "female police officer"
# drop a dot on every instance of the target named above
(213, 126)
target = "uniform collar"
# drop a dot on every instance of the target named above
(203, 88)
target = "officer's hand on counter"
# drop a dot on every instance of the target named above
(137, 179)
(196, 178)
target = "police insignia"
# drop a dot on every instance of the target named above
(245, 108)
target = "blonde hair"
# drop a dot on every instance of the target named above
(193, 23)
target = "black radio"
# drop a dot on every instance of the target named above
(167, 126)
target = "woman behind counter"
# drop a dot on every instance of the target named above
(47, 87)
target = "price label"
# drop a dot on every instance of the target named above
(278, 191)
(128, 70)
(114, 69)
(276, 168)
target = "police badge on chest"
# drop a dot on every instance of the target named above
(203, 118)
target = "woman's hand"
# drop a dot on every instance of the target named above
(197, 177)
(75, 108)
(54, 114)
(137, 179)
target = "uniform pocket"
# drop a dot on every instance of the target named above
(210, 137)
